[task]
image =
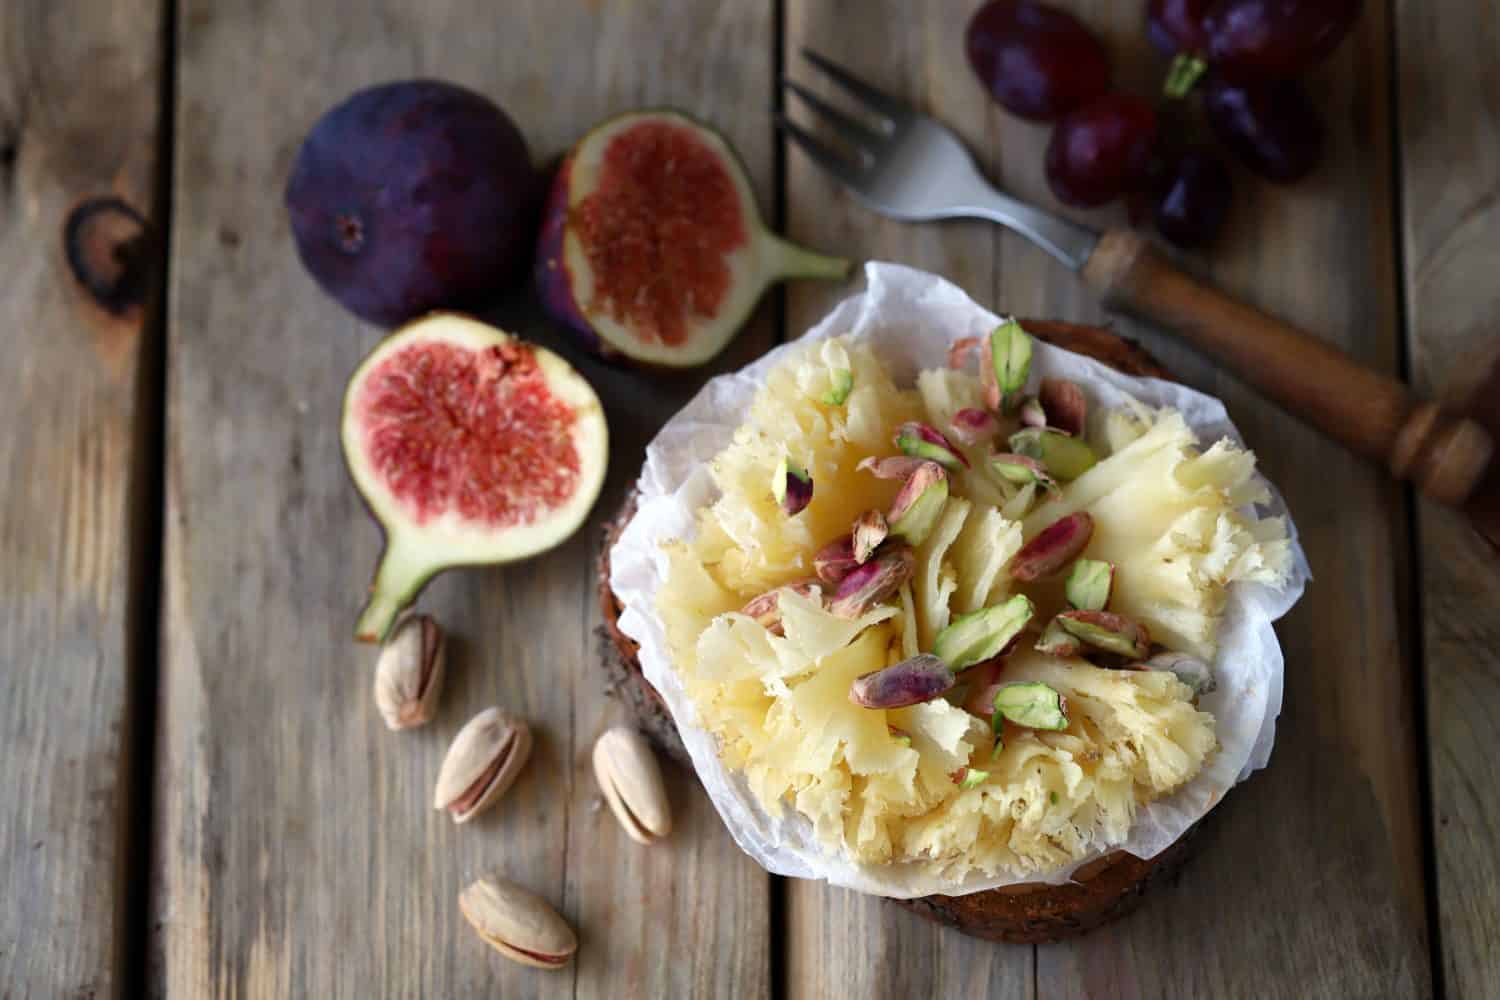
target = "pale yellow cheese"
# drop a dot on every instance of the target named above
(779, 705)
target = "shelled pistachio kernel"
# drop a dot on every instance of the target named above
(409, 672)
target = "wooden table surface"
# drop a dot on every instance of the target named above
(199, 797)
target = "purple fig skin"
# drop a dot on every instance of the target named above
(910, 682)
(413, 196)
(552, 284)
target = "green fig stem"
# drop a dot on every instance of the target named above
(788, 260)
(1184, 73)
(397, 579)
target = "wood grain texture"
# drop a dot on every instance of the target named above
(70, 400)
(1447, 86)
(297, 852)
(1370, 412)
(1307, 881)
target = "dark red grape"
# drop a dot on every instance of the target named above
(1190, 197)
(1102, 150)
(1038, 61)
(1273, 128)
(1177, 25)
(1257, 40)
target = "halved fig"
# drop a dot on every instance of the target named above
(470, 447)
(652, 249)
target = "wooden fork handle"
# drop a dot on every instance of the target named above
(1374, 415)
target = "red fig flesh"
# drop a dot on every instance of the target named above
(652, 249)
(470, 447)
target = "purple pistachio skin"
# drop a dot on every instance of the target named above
(1053, 548)
(834, 560)
(910, 682)
(873, 583)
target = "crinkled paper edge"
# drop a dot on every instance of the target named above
(911, 317)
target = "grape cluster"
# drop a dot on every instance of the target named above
(1241, 58)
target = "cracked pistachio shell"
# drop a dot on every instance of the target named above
(1189, 669)
(870, 529)
(409, 673)
(518, 923)
(482, 763)
(630, 780)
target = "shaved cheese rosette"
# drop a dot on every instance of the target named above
(941, 785)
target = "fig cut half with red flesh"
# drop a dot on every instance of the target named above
(652, 249)
(470, 447)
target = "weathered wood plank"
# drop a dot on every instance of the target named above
(1450, 175)
(841, 943)
(76, 459)
(1307, 881)
(1328, 838)
(298, 853)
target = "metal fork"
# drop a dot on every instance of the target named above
(910, 166)
(914, 168)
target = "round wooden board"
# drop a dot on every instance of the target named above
(1030, 913)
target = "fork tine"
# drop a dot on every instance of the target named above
(838, 166)
(878, 99)
(853, 132)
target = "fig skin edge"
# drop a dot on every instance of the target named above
(413, 554)
(773, 258)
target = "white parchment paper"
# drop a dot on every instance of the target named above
(911, 317)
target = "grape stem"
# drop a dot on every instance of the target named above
(1183, 75)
